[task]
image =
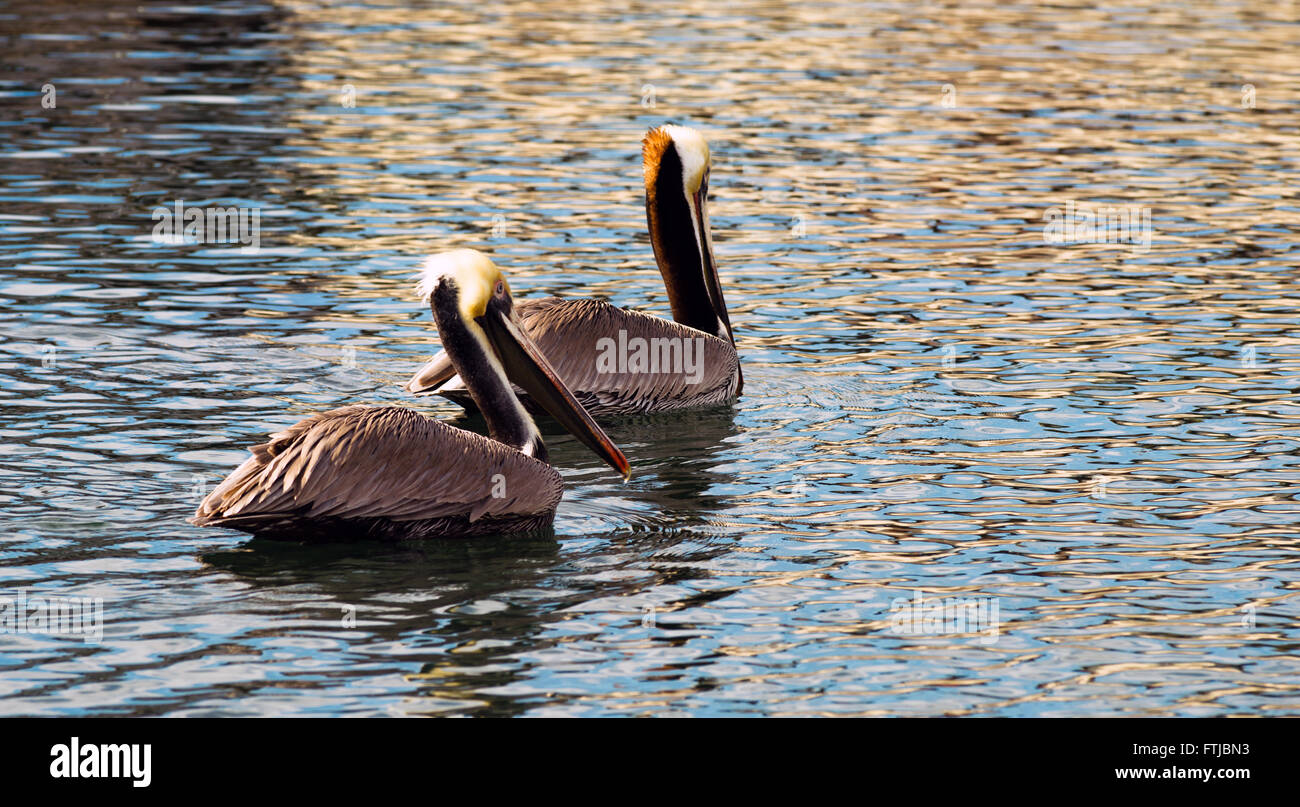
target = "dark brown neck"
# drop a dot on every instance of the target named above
(679, 250)
(507, 421)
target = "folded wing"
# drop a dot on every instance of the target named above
(371, 462)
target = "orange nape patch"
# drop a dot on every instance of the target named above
(653, 146)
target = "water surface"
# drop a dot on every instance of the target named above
(1100, 439)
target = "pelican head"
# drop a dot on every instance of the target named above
(471, 274)
(488, 348)
(690, 147)
(676, 166)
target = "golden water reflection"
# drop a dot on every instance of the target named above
(1102, 438)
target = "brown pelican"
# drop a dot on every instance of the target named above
(390, 472)
(621, 361)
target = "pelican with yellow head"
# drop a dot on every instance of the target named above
(389, 472)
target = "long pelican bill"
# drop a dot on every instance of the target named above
(712, 283)
(525, 365)
(704, 242)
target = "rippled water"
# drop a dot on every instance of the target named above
(1098, 439)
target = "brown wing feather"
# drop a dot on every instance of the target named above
(569, 333)
(381, 462)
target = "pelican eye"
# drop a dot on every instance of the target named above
(500, 290)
